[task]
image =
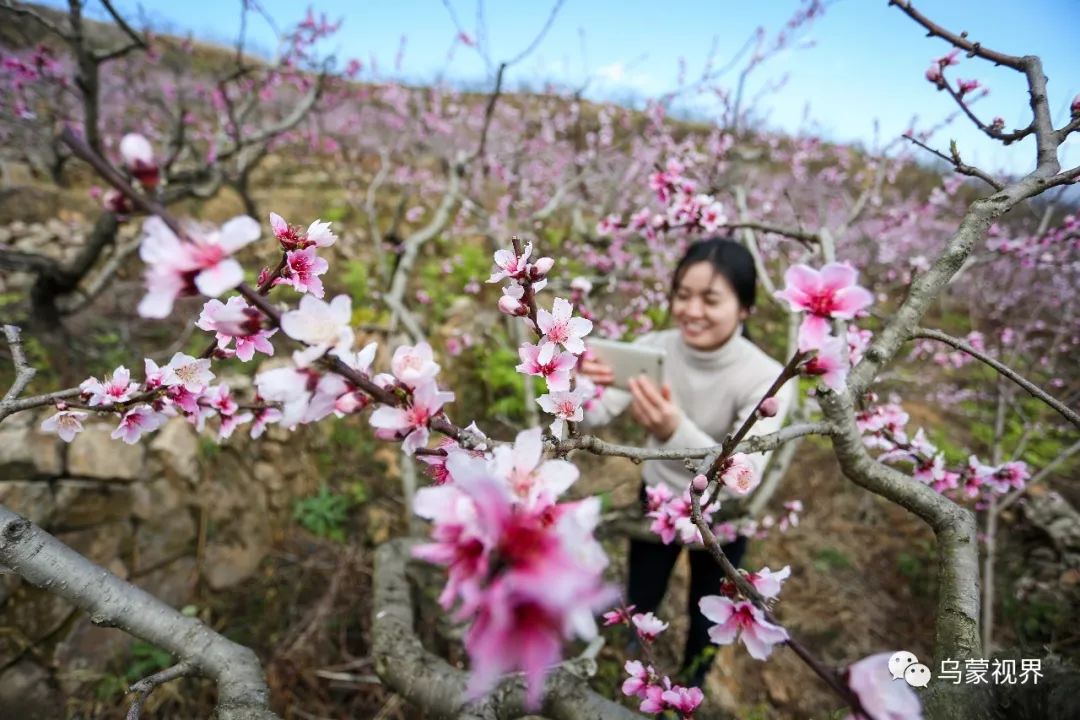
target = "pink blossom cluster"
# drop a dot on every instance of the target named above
(759, 528)
(555, 354)
(657, 693)
(883, 427)
(672, 515)
(739, 618)
(180, 388)
(685, 208)
(523, 569)
(831, 293)
(302, 267)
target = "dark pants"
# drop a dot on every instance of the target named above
(650, 569)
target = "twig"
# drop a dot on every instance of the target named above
(1031, 387)
(24, 373)
(144, 687)
(959, 166)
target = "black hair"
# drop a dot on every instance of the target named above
(727, 257)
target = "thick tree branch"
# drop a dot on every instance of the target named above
(45, 562)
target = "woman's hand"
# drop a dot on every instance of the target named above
(597, 370)
(653, 408)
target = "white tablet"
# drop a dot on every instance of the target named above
(628, 360)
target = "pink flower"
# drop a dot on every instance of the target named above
(565, 406)
(684, 700)
(411, 423)
(203, 264)
(830, 362)
(882, 697)
(548, 362)
(229, 423)
(653, 699)
(263, 417)
(742, 619)
(323, 326)
(136, 421)
(302, 270)
(560, 327)
(292, 237)
(540, 590)
(116, 388)
(414, 365)
(532, 479)
(738, 474)
(1074, 108)
(648, 626)
(830, 293)
(639, 679)
(66, 423)
(230, 319)
(618, 616)
(220, 398)
(767, 582)
(510, 265)
(193, 373)
(511, 301)
(933, 74)
(289, 386)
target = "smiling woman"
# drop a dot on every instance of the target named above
(714, 378)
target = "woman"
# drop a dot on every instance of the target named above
(714, 378)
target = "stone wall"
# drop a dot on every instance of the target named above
(165, 514)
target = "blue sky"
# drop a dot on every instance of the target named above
(865, 61)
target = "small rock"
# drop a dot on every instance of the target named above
(26, 692)
(101, 544)
(93, 454)
(83, 503)
(32, 500)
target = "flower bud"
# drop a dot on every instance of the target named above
(512, 306)
(138, 156)
(700, 483)
(769, 407)
(1075, 107)
(541, 267)
(136, 150)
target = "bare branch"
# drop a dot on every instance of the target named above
(144, 687)
(1016, 377)
(36, 17)
(24, 373)
(753, 444)
(44, 561)
(961, 41)
(959, 166)
(539, 36)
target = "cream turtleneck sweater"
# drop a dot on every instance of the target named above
(715, 391)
